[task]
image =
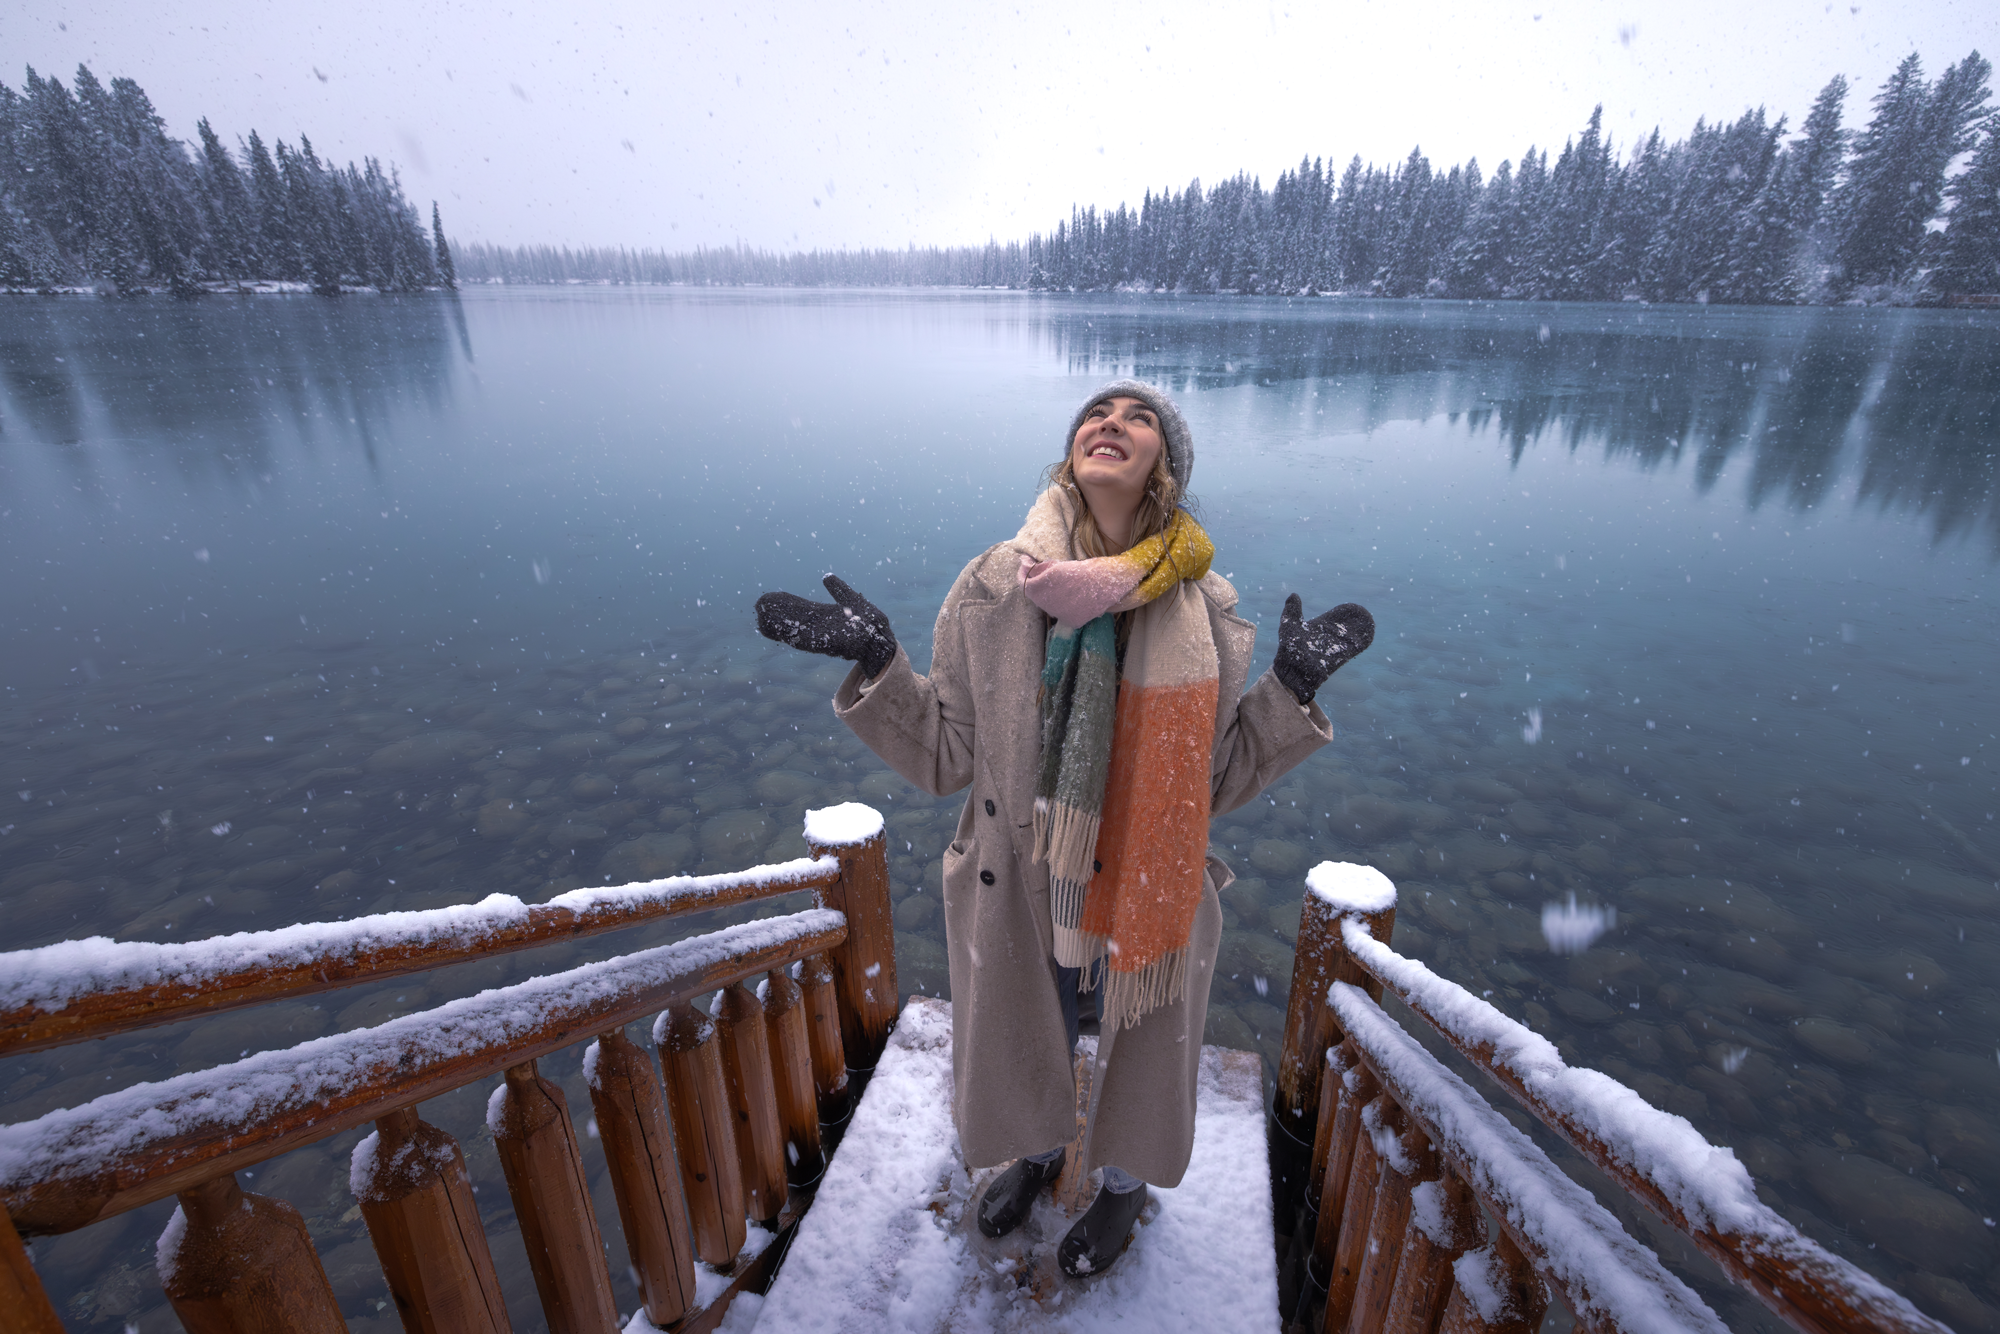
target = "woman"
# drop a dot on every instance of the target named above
(1087, 681)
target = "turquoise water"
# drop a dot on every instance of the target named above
(315, 609)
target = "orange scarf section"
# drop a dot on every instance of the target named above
(1153, 843)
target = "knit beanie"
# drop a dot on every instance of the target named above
(1173, 426)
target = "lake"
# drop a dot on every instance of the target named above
(317, 608)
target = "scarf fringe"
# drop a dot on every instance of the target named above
(1066, 838)
(1128, 997)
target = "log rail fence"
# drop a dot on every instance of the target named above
(1416, 1207)
(727, 1127)
(1412, 1206)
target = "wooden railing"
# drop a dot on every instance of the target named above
(1389, 1167)
(729, 1127)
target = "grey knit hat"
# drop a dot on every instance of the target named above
(1180, 441)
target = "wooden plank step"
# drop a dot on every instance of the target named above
(891, 1241)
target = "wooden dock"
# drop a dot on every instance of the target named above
(891, 1242)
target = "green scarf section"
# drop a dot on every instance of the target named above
(1079, 706)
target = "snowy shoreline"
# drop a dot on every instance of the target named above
(260, 287)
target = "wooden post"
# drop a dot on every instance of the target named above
(1318, 962)
(753, 1099)
(1415, 1161)
(1297, 1203)
(791, 1072)
(1339, 1060)
(829, 1057)
(416, 1199)
(864, 965)
(632, 1120)
(1356, 1089)
(1423, 1271)
(1526, 1303)
(704, 1140)
(1357, 1207)
(544, 1169)
(24, 1307)
(243, 1264)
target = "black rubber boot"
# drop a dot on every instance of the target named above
(1007, 1201)
(1099, 1237)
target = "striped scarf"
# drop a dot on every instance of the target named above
(1121, 799)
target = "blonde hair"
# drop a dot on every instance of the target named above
(1156, 508)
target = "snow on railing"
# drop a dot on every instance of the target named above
(1602, 1271)
(90, 988)
(1698, 1187)
(72, 1166)
(740, 1092)
(1341, 1050)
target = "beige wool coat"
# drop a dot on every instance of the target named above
(975, 721)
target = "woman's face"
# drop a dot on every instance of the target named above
(1116, 448)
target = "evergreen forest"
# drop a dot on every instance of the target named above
(1903, 209)
(93, 191)
(1743, 211)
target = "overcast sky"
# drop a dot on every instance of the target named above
(846, 125)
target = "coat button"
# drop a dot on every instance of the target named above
(986, 877)
(989, 807)
(1096, 865)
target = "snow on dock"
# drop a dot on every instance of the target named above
(892, 1242)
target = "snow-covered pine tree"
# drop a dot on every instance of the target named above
(1514, 258)
(58, 185)
(306, 216)
(1969, 259)
(1816, 159)
(1342, 263)
(1405, 252)
(1895, 181)
(1475, 266)
(228, 213)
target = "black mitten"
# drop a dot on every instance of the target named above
(1311, 651)
(849, 627)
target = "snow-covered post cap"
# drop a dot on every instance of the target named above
(1349, 887)
(1335, 892)
(847, 825)
(864, 965)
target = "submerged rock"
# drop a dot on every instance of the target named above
(782, 787)
(1581, 1006)
(1489, 791)
(1966, 1140)
(1953, 1302)
(1917, 1224)
(1835, 1042)
(1371, 819)
(592, 787)
(1597, 796)
(1275, 857)
(427, 752)
(734, 840)
(577, 747)
(502, 821)
(1902, 880)
(649, 857)
(915, 912)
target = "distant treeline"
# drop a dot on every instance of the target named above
(93, 191)
(1736, 212)
(991, 265)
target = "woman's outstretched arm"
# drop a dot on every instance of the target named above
(1272, 729)
(920, 726)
